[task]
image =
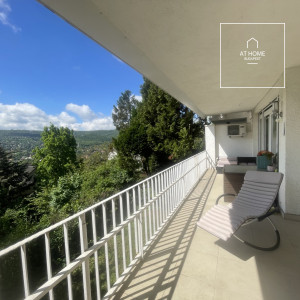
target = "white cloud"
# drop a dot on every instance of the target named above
(30, 117)
(5, 10)
(83, 111)
(105, 123)
(138, 98)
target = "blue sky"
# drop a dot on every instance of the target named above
(51, 72)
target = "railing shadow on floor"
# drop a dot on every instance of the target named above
(156, 276)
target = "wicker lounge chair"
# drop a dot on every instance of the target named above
(255, 202)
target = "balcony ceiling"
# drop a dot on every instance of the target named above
(176, 44)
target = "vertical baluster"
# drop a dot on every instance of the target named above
(160, 199)
(145, 211)
(178, 190)
(184, 188)
(168, 193)
(129, 224)
(98, 289)
(134, 222)
(106, 246)
(48, 261)
(67, 253)
(139, 219)
(181, 190)
(115, 238)
(173, 197)
(157, 203)
(149, 211)
(85, 264)
(140, 228)
(164, 197)
(25, 270)
(152, 206)
(122, 232)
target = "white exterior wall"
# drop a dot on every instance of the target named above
(210, 141)
(233, 146)
(293, 141)
(282, 150)
(269, 97)
(219, 144)
(289, 139)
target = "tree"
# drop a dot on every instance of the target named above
(103, 180)
(57, 157)
(13, 181)
(161, 130)
(123, 112)
(133, 147)
(171, 126)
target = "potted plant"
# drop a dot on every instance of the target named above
(264, 159)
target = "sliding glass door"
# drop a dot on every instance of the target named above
(268, 128)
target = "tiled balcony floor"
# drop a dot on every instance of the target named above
(186, 262)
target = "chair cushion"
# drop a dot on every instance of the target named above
(255, 198)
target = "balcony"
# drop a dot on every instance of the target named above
(88, 254)
(186, 262)
(142, 243)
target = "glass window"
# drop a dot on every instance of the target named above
(268, 128)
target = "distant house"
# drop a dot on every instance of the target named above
(111, 155)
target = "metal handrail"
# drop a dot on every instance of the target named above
(154, 200)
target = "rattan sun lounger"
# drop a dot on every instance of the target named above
(254, 202)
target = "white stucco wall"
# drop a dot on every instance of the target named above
(269, 97)
(289, 139)
(292, 131)
(233, 146)
(210, 145)
(219, 144)
(282, 149)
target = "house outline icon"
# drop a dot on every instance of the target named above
(252, 39)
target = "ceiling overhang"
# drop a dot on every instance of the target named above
(176, 44)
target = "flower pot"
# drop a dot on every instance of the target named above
(270, 168)
(262, 162)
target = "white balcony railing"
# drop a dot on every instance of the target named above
(113, 235)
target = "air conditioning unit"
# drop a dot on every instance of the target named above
(236, 130)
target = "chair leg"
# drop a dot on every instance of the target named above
(275, 246)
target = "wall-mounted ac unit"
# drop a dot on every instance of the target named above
(236, 130)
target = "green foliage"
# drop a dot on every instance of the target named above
(87, 140)
(64, 191)
(13, 181)
(97, 155)
(124, 110)
(57, 157)
(51, 204)
(162, 130)
(133, 148)
(102, 181)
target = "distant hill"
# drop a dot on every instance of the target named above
(22, 142)
(91, 138)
